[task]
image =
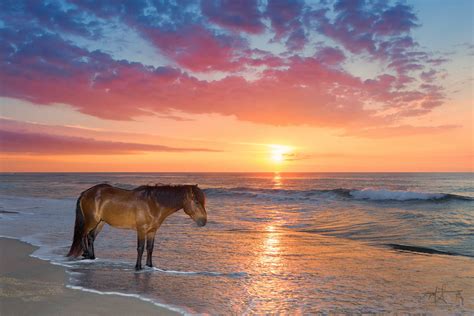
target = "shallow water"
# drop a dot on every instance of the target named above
(273, 242)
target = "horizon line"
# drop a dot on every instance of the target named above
(228, 172)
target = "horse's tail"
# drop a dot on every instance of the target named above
(76, 247)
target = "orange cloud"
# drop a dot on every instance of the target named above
(400, 131)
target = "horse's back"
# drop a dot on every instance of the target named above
(105, 191)
(115, 206)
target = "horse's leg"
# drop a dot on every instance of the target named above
(90, 250)
(91, 238)
(98, 229)
(88, 242)
(150, 241)
(85, 247)
(140, 247)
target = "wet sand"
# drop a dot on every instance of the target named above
(29, 286)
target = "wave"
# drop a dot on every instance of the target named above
(315, 194)
(425, 250)
(140, 297)
(206, 273)
(397, 195)
(44, 253)
(128, 266)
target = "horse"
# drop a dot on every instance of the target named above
(143, 209)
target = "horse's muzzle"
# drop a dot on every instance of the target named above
(201, 222)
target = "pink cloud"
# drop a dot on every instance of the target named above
(400, 131)
(287, 89)
(307, 91)
(330, 56)
(47, 144)
(198, 49)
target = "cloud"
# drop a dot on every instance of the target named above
(330, 55)
(199, 49)
(180, 32)
(91, 133)
(379, 30)
(308, 91)
(363, 25)
(400, 131)
(41, 63)
(50, 16)
(175, 117)
(296, 156)
(285, 18)
(243, 16)
(47, 144)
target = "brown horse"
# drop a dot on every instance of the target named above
(143, 209)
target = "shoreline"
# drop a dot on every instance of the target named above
(30, 285)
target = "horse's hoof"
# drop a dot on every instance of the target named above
(138, 268)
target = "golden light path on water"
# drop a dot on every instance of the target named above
(272, 288)
(270, 256)
(296, 270)
(277, 181)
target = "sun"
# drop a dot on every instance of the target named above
(279, 153)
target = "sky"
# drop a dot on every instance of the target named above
(235, 86)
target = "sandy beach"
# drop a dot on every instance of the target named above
(29, 286)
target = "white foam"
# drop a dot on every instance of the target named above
(145, 299)
(395, 195)
(43, 249)
(210, 273)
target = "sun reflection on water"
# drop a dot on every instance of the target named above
(277, 181)
(271, 255)
(271, 288)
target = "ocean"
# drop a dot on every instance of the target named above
(290, 243)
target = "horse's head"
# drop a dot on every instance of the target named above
(194, 205)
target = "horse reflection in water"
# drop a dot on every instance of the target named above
(143, 209)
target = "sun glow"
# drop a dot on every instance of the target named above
(279, 153)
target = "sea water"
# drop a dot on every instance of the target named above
(273, 243)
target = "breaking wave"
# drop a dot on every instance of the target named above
(425, 250)
(396, 195)
(205, 273)
(364, 194)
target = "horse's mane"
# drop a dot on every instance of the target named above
(169, 194)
